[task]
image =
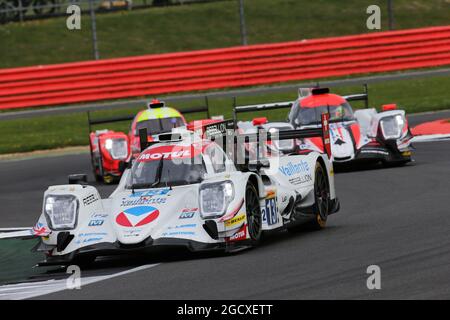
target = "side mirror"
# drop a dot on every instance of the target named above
(80, 178)
(123, 165)
(143, 139)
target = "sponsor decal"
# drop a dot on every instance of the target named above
(182, 226)
(90, 237)
(88, 240)
(301, 179)
(135, 232)
(241, 234)
(150, 193)
(291, 169)
(233, 212)
(99, 216)
(40, 230)
(137, 216)
(188, 213)
(149, 197)
(235, 221)
(90, 199)
(92, 234)
(178, 233)
(96, 223)
(169, 153)
(144, 200)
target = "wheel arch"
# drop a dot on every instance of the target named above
(256, 180)
(328, 167)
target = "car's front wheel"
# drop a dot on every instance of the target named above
(254, 218)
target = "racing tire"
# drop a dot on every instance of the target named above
(254, 217)
(97, 177)
(321, 206)
(321, 199)
(84, 261)
(95, 170)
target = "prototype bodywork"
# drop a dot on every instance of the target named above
(185, 190)
(109, 148)
(361, 135)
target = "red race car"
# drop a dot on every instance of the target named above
(110, 150)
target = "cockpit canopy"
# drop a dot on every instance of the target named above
(176, 164)
(308, 111)
(157, 126)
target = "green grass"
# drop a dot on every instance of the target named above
(201, 26)
(71, 130)
(18, 260)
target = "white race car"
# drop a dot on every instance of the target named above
(185, 190)
(364, 135)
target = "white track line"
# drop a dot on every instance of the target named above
(29, 290)
(430, 138)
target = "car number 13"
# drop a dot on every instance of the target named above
(270, 211)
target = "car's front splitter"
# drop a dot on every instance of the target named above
(147, 246)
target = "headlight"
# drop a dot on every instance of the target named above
(215, 198)
(61, 211)
(118, 148)
(392, 127)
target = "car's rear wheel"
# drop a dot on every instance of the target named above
(322, 198)
(254, 218)
(322, 203)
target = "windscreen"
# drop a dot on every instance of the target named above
(151, 170)
(312, 116)
(157, 126)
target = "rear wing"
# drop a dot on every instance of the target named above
(288, 104)
(96, 121)
(259, 107)
(225, 130)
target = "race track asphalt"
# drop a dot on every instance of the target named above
(396, 218)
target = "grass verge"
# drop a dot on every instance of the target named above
(203, 26)
(18, 261)
(51, 132)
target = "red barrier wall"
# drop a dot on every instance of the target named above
(224, 68)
